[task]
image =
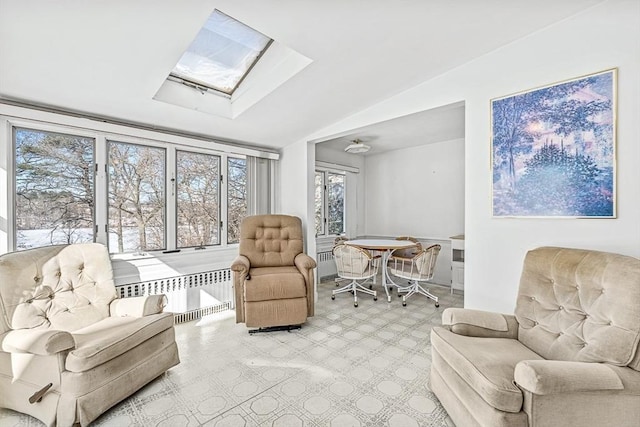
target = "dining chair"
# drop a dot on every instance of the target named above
(356, 265)
(418, 269)
(339, 240)
(410, 251)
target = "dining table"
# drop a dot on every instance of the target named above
(385, 246)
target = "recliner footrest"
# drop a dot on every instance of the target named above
(287, 328)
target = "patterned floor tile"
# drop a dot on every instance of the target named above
(348, 366)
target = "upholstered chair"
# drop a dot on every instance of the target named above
(70, 349)
(568, 357)
(272, 277)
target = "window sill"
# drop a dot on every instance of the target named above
(131, 268)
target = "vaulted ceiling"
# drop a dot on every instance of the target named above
(110, 57)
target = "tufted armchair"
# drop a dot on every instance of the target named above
(70, 349)
(568, 357)
(272, 278)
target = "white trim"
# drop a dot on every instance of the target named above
(336, 167)
(87, 125)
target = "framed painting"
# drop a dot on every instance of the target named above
(553, 150)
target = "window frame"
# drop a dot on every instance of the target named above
(174, 190)
(325, 201)
(118, 140)
(12, 234)
(226, 198)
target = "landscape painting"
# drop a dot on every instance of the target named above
(553, 150)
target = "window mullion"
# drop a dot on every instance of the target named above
(101, 191)
(7, 206)
(171, 199)
(325, 204)
(223, 200)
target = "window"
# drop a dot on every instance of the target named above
(237, 201)
(136, 197)
(198, 190)
(319, 203)
(329, 203)
(221, 55)
(54, 188)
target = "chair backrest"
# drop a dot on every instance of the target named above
(271, 240)
(425, 261)
(340, 239)
(64, 287)
(409, 252)
(580, 305)
(353, 262)
(420, 267)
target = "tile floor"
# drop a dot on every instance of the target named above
(347, 366)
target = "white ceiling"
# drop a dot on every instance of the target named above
(440, 124)
(110, 57)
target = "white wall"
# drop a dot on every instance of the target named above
(417, 191)
(295, 177)
(605, 36)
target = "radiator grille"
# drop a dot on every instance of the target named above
(189, 296)
(326, 264)
(200, 312)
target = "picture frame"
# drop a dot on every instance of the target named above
(553, 150)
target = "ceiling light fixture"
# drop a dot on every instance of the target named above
(356, 147)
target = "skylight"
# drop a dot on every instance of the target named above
(221, 55)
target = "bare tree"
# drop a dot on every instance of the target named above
(54, 186)
(136, 194)
(198, 195)
(237, 204)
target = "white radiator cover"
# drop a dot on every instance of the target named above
(189, 296)
(326, 264)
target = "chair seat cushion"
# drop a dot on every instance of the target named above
(111, 337)
(486, 364)
(407, 272)
(269, 283)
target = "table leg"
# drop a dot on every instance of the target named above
(385, 258)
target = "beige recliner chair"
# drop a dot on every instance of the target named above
(70, 349)
(272, 278)
(569, 356)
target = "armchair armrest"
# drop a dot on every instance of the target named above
(241, 265)
(137, 306)
(43, 342)
(304, 262)
(555, 376)
(478, 323)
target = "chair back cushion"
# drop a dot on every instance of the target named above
(351, 261)
(271, 240)
(426, 260)
(63, 287)
(580, 305)
(409, 252)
